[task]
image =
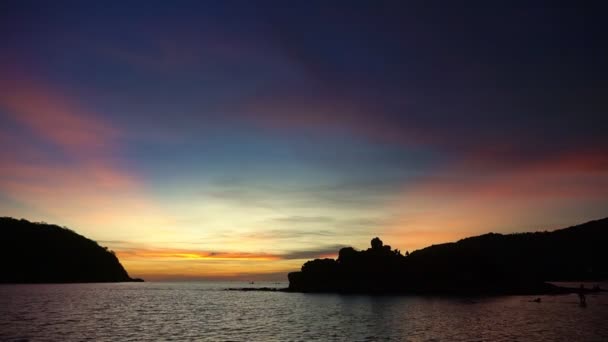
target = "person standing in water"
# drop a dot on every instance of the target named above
(581, 295)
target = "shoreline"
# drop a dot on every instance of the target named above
(554, 292)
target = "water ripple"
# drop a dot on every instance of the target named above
(204, 312)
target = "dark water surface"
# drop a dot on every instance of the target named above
(204, 312)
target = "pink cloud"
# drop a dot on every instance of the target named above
(53, 116)
(82, 183)
(467, 199)
(575, 175)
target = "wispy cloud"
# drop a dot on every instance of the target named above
(53, 116)
(352, 195)
(130, 251)
(305, 219)
(330, 251)
(179, 254)
(69, 169)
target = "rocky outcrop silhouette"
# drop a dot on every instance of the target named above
(44, 253)
(486, 264)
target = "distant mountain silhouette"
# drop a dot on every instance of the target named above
(44, 253)
(486, 264)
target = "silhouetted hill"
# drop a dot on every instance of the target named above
(490, 263)
(44, 253)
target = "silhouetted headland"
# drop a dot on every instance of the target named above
(487, 264)
(45, 253)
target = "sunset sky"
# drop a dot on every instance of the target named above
(238, 139)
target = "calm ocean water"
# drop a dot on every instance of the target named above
(204, 312)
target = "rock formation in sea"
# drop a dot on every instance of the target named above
(488, 264)
(44, 253)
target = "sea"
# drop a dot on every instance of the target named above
(205, 311)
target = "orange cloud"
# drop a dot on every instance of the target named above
(177, 254)
(165, 263)
(85, 195)
(412, 239)
(209, 269)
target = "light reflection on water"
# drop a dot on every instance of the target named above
(203, 311)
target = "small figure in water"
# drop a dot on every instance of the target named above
(581, 295)
(537, 300)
